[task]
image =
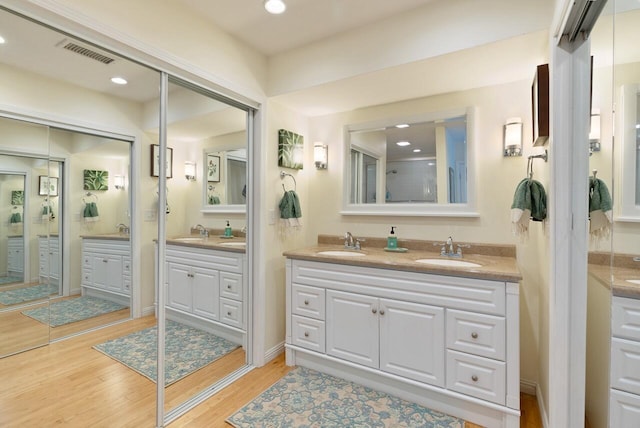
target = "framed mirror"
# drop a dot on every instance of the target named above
(225, 177)
(418, 165)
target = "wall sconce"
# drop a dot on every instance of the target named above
(190, 170)
(320, 155)
(594, 132)
(118, 182)
(513, 137)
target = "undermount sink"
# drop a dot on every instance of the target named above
(233, 244)
(448, 262)
(339, 253)
(190, 239)
(634, 281)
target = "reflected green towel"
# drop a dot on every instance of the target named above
(599, 196)
(90, 210)
(15, 218)
(290, 205)
(214, 200)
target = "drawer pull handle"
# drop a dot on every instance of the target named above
(374, 310)
(228, 314)
(104, 260)
(306, 334)
(474, 335)
(381, 311)
(474, 378)
(229, 287)
(306, 302)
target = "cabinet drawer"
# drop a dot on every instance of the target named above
(126, 266)
(86, 277)
(624, 409)
(476, 376)
(308, 301)
(231, 312)
(231, 285)
(625, 318)
(625, 365)
(476, 334)
(86, 261)
(308, 333)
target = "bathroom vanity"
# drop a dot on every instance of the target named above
(49, 259)
(206, 286)
(440, 336)
(106, 267)
(15, 256)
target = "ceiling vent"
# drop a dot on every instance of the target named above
(85, 51)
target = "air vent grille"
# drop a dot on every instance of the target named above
(86, 52)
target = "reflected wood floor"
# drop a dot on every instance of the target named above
(70, 384)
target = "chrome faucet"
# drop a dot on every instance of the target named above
(122, 228)
(351, 242)
(447, 248)
(203, 230)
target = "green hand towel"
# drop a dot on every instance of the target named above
(15, 218)
(600, 209)
(93, 209)
(290, 211)
(529, 203)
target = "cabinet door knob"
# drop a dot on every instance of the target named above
(474, 335)
(228, 314)
(104, 260)
(374, 310)
(306, 334)
(474, 378)
(306, 302)
(381, 311)
(229, 287)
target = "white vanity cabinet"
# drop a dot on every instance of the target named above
(206, 288)
(49, 259)
(106, 269)
(624, 398)
(15, 256)
(449, 343)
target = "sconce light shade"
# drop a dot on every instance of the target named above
(320, 154)
(275, 7)
(513, 137)
(118, 182)
(594, 132)
(190, 170)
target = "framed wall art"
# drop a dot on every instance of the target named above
(540, 105)
(213, 168)
(17, 197)
(95, 179)
(47, 186)
(290, 149)
(155, 161)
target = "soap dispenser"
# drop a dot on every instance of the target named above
(392, 240)
(227, 231)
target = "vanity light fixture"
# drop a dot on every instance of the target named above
(416, 150)
(275, 7)
(403, 143)
(190, 170)
(118, 182)
(119, 80)
(594, 132)
(513, 137)
(320, 155)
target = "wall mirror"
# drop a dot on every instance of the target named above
(411, 166)
(225, 177)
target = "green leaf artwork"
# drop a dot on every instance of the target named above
(290, 149)
(17, 197)
(96, 180)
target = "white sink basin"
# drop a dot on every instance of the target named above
(338, 253)
(233, 244)
(190, 239)
(448, 262)
(634, 281)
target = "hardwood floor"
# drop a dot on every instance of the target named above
(70, 384)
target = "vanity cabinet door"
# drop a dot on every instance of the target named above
(179, 294)
(352, 327)
(412, 341)
(107, 272)
(206, 292)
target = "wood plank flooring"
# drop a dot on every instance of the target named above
(70, 384)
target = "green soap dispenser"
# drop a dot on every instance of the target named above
(227, 230)
(392, 240)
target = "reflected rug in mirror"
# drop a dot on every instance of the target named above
(305, 397)
(10, 279)
(187, 349)
(27, 294)
(67, 311)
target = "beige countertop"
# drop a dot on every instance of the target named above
(499, 264)
(615, 274)
(214, 242)
(110, 236)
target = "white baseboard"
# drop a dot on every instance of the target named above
(528, 387)
(149, 310)
(274, 352)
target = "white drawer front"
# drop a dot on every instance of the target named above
(231, 285)
(308, 333)
(625, 365)
(625, 318)
(476, 376)
(624, 409)
(477, 334)
(231, 312)
(308, 301)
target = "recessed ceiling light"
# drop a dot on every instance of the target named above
(2, 40)
(119, 80)
(402, 125)
(275, 7)
(416, 150)
(403, 143)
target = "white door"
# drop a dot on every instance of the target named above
(352, 327)
(206, 292)
(179, 294)
(412, 341)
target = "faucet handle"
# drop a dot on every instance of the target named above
(461, 246)
(358, 241)
(442, 245)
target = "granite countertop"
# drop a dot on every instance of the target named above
(215, 242)
(110, 236)
(615, 274)
(497, 262)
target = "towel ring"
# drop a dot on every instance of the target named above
(283, 175)
(89, 195)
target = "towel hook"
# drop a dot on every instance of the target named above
(283, 175)
(595, 172)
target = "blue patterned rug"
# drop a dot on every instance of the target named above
(72, 310)
(27, 294)
(10, 279)
(187, 349)
(307, 398)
